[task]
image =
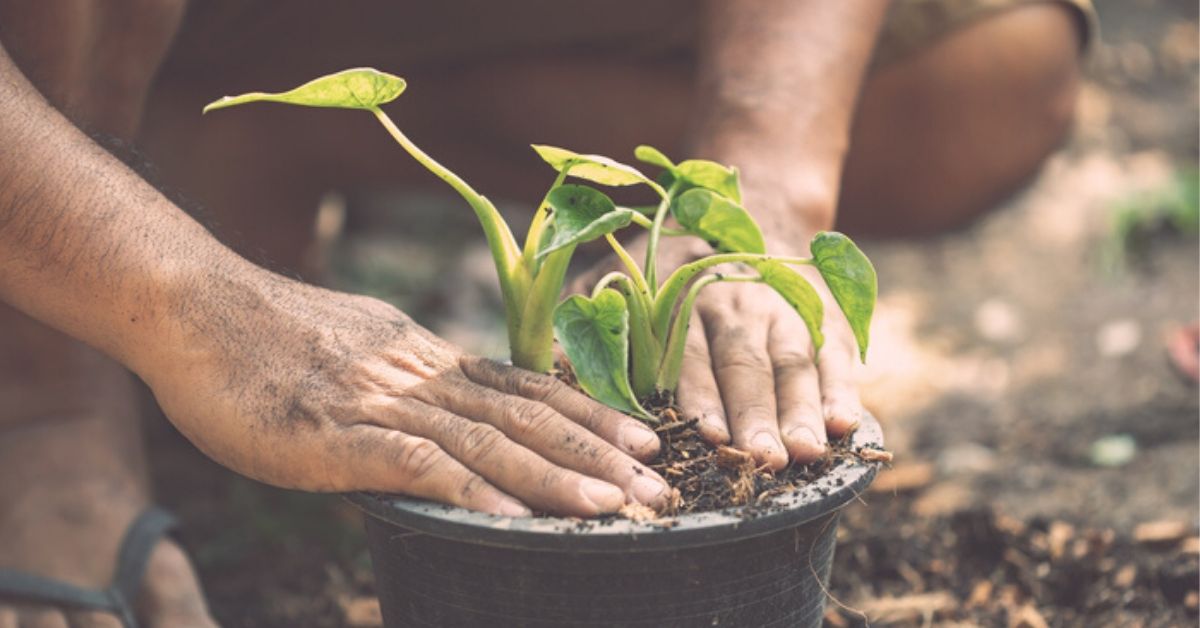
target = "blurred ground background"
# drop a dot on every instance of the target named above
(1047, 468)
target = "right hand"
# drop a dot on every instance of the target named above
(312, 389)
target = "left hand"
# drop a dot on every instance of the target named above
(748, 373)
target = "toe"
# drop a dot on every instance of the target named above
(171, 594)
(93, 619)
(42, 618)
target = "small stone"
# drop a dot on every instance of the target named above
(902, 478)
(1125, 576)
(361, 612)
(1112, 451)
(998, 321)
(1118, 338)
(1059, 534)
(1165, 531)
(1029, 617)
(967, 457)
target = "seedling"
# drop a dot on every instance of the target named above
(625, 340)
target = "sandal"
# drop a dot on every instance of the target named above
(143, 534)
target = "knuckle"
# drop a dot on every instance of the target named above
(552, 478)
(793, 361)
(472, 486)
(741, 357)
(418, 458)
(529, 417)
(534, 386)
(755, 412)
(479, 440)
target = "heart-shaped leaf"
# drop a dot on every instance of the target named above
(711, 175)
(851, 278)
(724, 224)
(594, 168)
(799, 294)
(594, 333)
(358, 88)
(653, 156)
(582, 214)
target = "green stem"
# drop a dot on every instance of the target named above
(533, 345)
(672, 359)
(515, 277)
(645, 350)
(668, 294)
(641, 220)
(630, 265)
(540, 222)
(656, 227)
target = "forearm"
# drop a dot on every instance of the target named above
(86, 245)
(778, 84)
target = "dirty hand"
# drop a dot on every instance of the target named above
(749, 375)
(748, 372)
(312, 389)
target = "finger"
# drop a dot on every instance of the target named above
(797, 391)
(42, 618)
(631, 435)
(743, 372)
(93, 619)
(540, 428)
(698, 395)
(841, 407)
(383, 459)
(8, 617)
(514, 469)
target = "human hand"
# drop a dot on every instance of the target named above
(749, 376)
(312, 389)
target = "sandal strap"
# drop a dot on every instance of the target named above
(140, 539)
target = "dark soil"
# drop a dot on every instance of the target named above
(986, 569)
(708, 478)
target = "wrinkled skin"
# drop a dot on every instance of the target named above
(353, 395)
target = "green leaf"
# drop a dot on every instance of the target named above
(711, 175)
(722, 223)
(359, 88)
(582, 214)
(594, 168)
(851, 278)
(594, 333)
(799, 294)
(653, 156)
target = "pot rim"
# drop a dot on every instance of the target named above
(847, 480)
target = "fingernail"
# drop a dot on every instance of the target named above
(513, 508)
(648, 490)
(766, 443)
(712, 428)
(637, 438)
(603, 496)
(806, 445)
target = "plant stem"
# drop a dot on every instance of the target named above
(656, 227)
(540, 222)
(672, 359)
(515, 278)
(533, 345)
(672, 287)
(638, 279)
(642, 221)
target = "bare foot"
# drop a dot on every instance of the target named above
(71, 482)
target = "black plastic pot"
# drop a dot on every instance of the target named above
(443, 566)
